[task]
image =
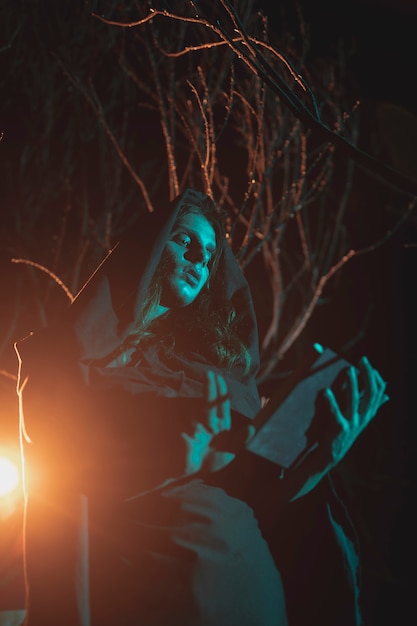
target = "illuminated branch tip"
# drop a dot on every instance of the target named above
(49, 273)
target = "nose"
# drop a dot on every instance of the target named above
(196, 254)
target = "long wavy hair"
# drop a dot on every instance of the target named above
(207, 326)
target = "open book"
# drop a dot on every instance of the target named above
(285, 426)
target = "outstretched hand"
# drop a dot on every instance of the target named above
(351, 408)
(359, 407)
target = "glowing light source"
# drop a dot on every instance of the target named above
(9, 476)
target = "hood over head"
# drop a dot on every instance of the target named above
(103, 312)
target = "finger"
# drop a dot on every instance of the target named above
(335, 409)
(224, 412)
(217, 460)
(211, 403)
(250, 433)
(381, 386)
(216, 390)
(218, 404)
(197, 447)
(369, 388)
(374, 387)
(211, 388)
(353, 396)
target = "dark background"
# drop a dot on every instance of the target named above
(376, 293)
(383, 67)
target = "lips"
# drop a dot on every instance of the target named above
(192, 277)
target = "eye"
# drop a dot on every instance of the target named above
(182, 239)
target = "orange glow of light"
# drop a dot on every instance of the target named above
(9, 476)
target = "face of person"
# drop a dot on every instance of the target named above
(187, 257)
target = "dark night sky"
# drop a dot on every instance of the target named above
(384, 31)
